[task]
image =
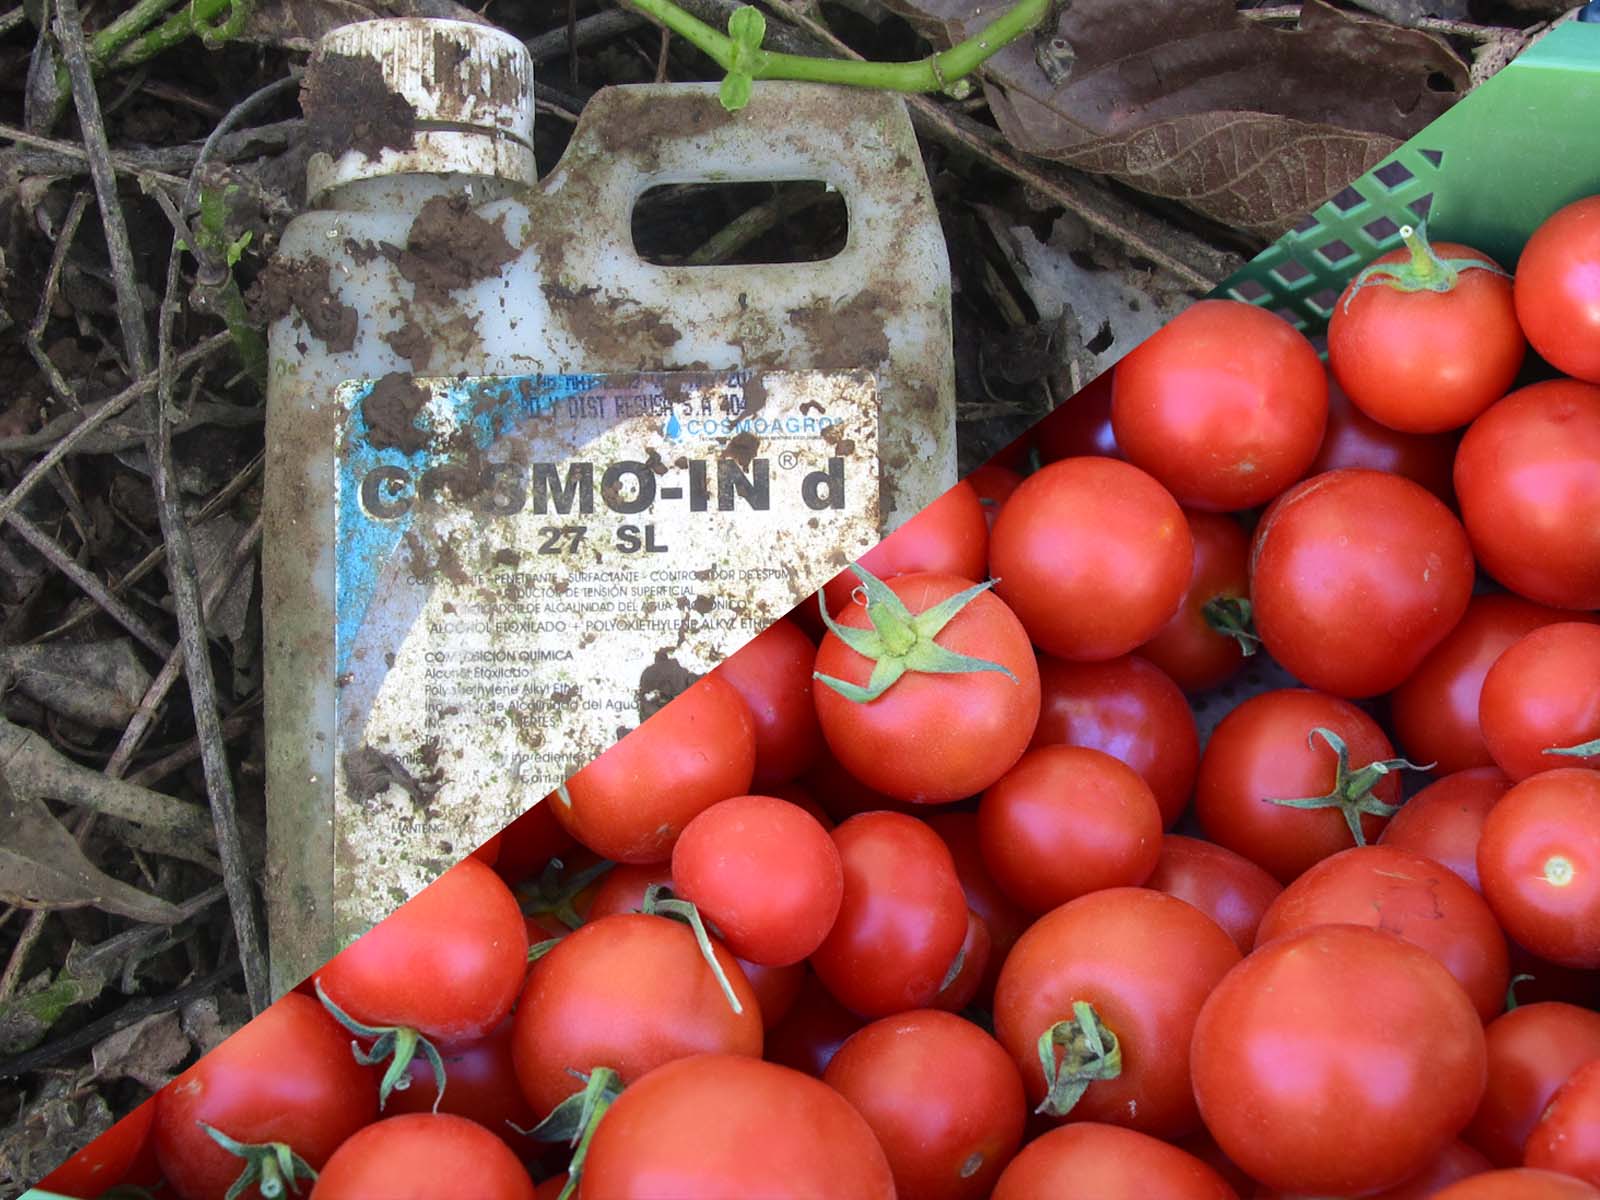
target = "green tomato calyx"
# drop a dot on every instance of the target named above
(1075, 1054)
(270, 1166)
(397, 1043)
(575, 1119)
(1425, 272)
(1352, 789)
(1230, 616)
(899, 642)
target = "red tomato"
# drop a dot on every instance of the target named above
(800, 794)
(773, 674)
(841, 795)
(1532, 1051)
(776, 989)
(448, 963)
(529, 842)
(1225, 405)
(1354, 439)
(1080, 425)
(931, 737)
(551, 1188)
(949, 537)
(1400, 892)
(1093, 555)
(622, 889)
(1425, 361)
(106, 1161)
(631, 803)
(1066, 821)
(765, 873)
(1004, 919)
(1435, 711)
(1543, 694)
(1539, 860)
(1354, 577)
(1445, 819)
(1227, 887)
(903, 919)
(1189, 648)
(1146, 963)
(629, 992)
(481, 1085)
(1285, 1051)
(1131, 711)
(1567, 1137)
(1558, 289)
(489, 853)
(1456, 1161)
(961, 988)
(943, 1098)
(1528, 482)
(1263, 751)
(719, 1127)
(994, 485)
(1086, 1161)
(1519, 1183)
(288, 1076)
(421, 1156)
(816, 1026)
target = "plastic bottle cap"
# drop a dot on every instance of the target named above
(469, 88)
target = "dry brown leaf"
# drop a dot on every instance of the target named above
(1249, 124)
(148, 1052)
(96, 683)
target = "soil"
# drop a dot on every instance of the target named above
(450, 247)
(349, 106)
(287, 286)
(391, 409)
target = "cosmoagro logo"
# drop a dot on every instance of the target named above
(789, 425)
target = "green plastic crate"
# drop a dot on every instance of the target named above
(1486, 173)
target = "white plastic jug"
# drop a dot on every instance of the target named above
(523, 485)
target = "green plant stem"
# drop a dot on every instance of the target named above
(194, 18)
(929, 74)
(139, 17)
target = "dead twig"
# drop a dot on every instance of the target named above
(601, 27)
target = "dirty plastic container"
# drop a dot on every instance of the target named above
(522, 485)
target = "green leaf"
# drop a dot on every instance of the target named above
(747, 27)
(736, 89)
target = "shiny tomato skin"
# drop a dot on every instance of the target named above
(420, 1156)
(776, 989)
(1066, 821)
(1260, 750)
(1003, 917)
(1403, 893)
(1129, 709)
(1435, 711)
(629, 992)
(448, 963)
(1567, 1137)
(994, 485)
(1193, 654)
(1225, 405)
(106, 1161)
(765, 873)
(1093, 555)
(902, 921)
(718, 1127)
(631, 803)
(1558, 289)
(1533, 1050)
(1539, 863)
(933, 738)
(1284, 1047)
(1354, 439)
(1089, 1161)
(1227, 887)
(772, 672)
(1456, 1161)
(1354, 577)
(480, 1084)
(1079, 426)
(287, 1076)
(1527, 479)
(1146, 962)
(1425, 361)
(1519, 1183)
(813, 1030)
(949, 537)
(1543, 693)
(973, 956)
(1445, 819)
(943, 1098)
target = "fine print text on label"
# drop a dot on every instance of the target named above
(532, 565)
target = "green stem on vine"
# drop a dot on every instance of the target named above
(657, 904)
(1351, 793)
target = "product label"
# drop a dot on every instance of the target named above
(529, 566)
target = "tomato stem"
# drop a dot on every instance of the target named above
(899, 642)
(397, 1043)
(575, 1119)
(1230, 616)
(1424, 272)
(1511, 990)
(657, 904)
(1351, 793)
(1089, 1052)
(553, 896)
(270, 1166)
(1581, 750)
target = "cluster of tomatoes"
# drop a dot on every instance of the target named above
(888, 904)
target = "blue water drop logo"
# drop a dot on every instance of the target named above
(674, 429)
